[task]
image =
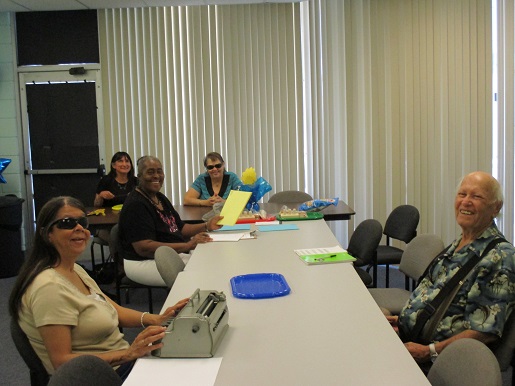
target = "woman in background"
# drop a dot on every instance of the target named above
(214, 185)
(62, 310)
(113, 188)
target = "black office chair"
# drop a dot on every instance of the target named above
(401, 225)
(123, 283)
(102, 243)
(363, 246)
(290, 196)
(38, 373)
(100, 237)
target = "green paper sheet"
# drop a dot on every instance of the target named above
(325, 258)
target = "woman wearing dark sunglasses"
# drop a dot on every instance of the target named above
(62, 310)
(214, 185)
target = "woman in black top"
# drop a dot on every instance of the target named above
(148, 221)
(113, 188)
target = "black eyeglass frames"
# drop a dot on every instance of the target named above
(70, 223)
(211, 167)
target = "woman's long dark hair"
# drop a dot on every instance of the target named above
(43, 254)
(118, 156)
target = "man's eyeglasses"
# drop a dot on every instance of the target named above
(211, 167)
(70, 223)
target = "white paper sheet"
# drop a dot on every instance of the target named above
(267, 222)
(225, 236)
(315, 251)
(173, 371)
(249, 236)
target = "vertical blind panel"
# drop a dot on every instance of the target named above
(416, 103)
(504, 164)
(395, 106)
(182, 81)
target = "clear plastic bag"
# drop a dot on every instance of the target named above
(318, 205)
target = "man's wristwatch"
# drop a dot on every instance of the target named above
(432, 351)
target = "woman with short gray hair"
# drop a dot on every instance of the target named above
(148, 221)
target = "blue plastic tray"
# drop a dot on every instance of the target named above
(259, 286)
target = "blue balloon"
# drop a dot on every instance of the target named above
(4, 162)
(258, 190)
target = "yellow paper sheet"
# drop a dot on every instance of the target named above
(233, 207)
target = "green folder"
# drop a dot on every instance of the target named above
(327, 258)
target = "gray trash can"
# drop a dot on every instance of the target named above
(11, 255)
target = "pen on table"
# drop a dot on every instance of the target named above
(321, 259)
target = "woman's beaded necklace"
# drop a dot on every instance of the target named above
(166, 217)
(121, 185)
(158, 204)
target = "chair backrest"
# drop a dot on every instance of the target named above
(465, 362)
(114, 240)
(419, 253)
(85, 370)
(505, 348)
(402, 223)
(114, 250)
(169, 264)
(287, 196)
(101, 170)
(365, 240)
(38, 373)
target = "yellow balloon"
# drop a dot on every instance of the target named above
(249, 176)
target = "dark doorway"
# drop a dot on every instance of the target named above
(63, 137)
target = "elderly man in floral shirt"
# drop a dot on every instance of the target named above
(484, 302)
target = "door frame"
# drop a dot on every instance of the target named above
(53, 74)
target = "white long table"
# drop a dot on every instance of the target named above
(327, 331)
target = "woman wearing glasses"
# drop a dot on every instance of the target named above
(62, 310)
(214, 185)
